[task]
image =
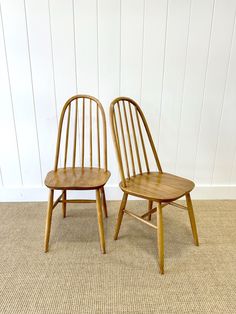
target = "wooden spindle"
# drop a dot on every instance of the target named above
(142, 141)
(129, 139)
(67, 135)
(116, 136)
(75, 131)
(123, 139)
(91, 134)
(83, 123)
(135, 139)
(98, 139)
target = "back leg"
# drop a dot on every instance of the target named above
(48, 220)
(120, 215)
(64, 204)
(104, 203)
(192, 218)
(150, 204)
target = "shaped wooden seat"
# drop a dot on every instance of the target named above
(159, 187)
(79, 136)
(77, 178)
(134, 148)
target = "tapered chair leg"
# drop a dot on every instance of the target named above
(104, 203)
(192, 218)
(150, 204)
(100, 221)
(120, 215)
(160, 238)
(48, 220)
(64, 204)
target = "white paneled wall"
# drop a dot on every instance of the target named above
(176, 58)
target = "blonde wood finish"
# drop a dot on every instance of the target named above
(151, 211)
(100, 221)
(120, 215)
(104, 203)
(79, 173)
(150, 203)
(48, 220)
(192, 219)
(157, 186)
(81, 201)
(58, 200)
(129, 138)
(67, 136)
(64, 204)
(178, 205)
(77, 178)
(160, 237)
(154, 186)
(128, 212)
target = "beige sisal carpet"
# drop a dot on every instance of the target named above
(75, 278)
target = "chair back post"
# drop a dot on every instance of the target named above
(104, 133)
(115, 137)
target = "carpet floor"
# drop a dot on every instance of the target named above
(73, 277)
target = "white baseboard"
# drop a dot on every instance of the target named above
(34, 194)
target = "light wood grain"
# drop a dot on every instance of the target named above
(48, 220)
(79, 177)
(104, 203)
(160, 237)
(192, 219)
(100, 221)
(158, 186)
(120, 215)
(150, 203)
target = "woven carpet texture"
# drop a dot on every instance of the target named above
(74, 277)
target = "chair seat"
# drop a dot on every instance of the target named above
(157, 186)
(77, 178)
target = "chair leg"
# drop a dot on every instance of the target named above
(192, 218)
(64, 204)
(104, 203)
(120, 215)
(160, 238)
(48, 220)
(100, 221)
(150, 203)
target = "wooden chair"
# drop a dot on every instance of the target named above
(73, 139)
(131, 134)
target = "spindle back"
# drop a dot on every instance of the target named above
(131, 134)
(81, 133)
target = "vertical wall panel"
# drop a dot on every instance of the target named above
(214, 89)
(131, 47)
(153, 62)
(63, 50)
(14, 23)
(9, 154)
(176, 58)
(42, 79)
(109, 58)
(174, 80)
(86, 46)
(224, 171)
(196, 67)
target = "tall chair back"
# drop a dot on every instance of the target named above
(81, 133)
(130, 130)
